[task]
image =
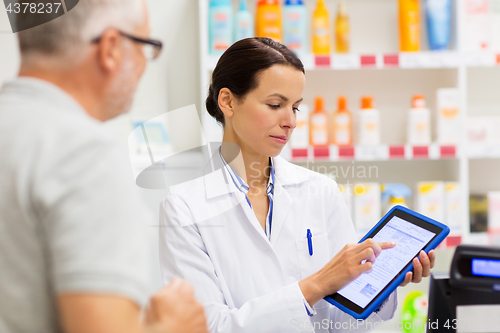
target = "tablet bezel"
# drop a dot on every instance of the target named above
(412, 218)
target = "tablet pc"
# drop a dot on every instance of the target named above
(412, 233)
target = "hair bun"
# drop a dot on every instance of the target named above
(213, 106)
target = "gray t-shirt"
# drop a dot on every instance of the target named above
(70, 221)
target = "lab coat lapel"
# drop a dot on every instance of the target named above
(218, 183)
(252, 219)
(285, 175)
(281, 207)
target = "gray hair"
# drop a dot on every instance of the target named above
(68, 37)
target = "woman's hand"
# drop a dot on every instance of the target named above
(421, 268)
(346, 266)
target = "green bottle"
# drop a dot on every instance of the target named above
(414, 316)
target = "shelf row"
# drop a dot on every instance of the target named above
(392, 152)
(405, 60)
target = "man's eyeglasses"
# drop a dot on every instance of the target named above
(152, 47)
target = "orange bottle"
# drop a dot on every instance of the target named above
(342, 29)
(318, 124)
(342, 124)
(409, 25)
(321, 43)
(268, 20)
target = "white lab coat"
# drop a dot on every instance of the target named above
(210, 236)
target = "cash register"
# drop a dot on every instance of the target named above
(474, 279)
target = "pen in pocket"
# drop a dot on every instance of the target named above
(309, 241)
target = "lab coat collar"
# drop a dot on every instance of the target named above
(287, 173)
(218, 181)
(240, 183)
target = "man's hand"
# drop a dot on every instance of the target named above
(175, 310)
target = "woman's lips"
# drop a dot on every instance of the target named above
(280, 139)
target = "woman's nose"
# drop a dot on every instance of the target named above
(289, 119)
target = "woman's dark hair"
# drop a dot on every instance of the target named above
(240, 65)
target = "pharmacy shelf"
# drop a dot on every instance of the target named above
(404, 60)
(481, 59)
(445, 59)
(483, 151)
(335, 153)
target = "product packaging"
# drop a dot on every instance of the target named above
(342, 29)
(476, 25)
(394, 194)
(419, 122)
(430, 200)
(453, 204)
(269, 20)
(243, 22)
(300, 136)
(478, 210)
(367, 202)
(368, 123)
(495, 25)
(318, 124)
(483, 130)
(494, 217)
(448, 116)
(477, 130)
(409, 25)
(342, 124)
(438, 14)
(321, 36)
(346, 191)
(295, 35)
(220, 29)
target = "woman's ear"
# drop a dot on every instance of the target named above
(226, 102)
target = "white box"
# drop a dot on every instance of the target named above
(346, 191)
(430, 200)
(476, 26)
(367, 210)
(494, 218)
(495, 25)
(300, 136)
(477, 130)
(494, 211)
(453, 204)
(483, 130)
(448, 116)
(494, 129)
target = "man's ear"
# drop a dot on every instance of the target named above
(109, 54)
(226, 102)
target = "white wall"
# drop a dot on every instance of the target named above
(172, 81)
(169, 83)
(9, 56)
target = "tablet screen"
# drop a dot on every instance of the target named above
(411, 236)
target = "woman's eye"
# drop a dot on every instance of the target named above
(274, 106)
(295, 109)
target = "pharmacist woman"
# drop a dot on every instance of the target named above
(238, 232)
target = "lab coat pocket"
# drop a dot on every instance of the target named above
(310, 264)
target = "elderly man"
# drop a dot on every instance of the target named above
(72, 248)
